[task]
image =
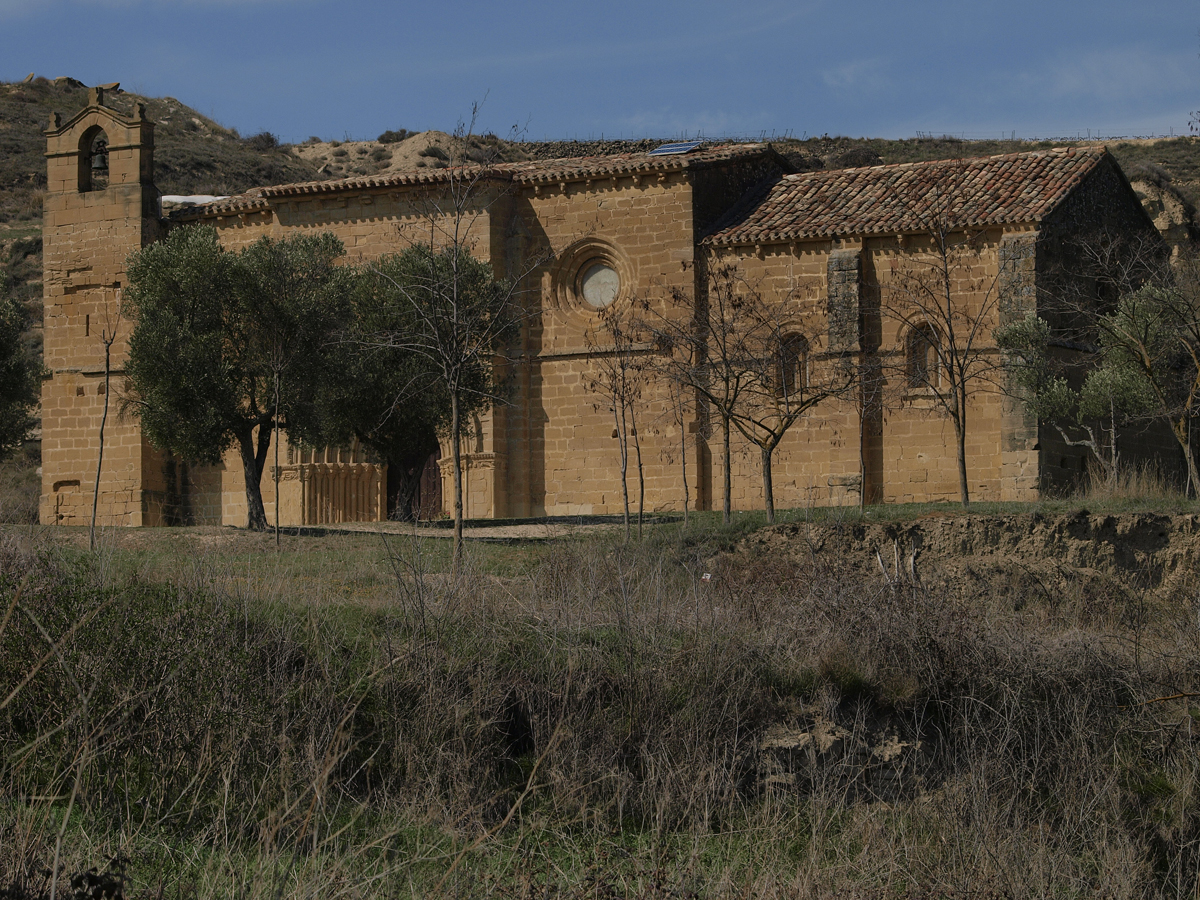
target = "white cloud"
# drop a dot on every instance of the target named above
(672, 123)
(859, 76)
(1113, 74)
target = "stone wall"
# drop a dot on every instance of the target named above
(562, 454)
(552, 447)
(89, 229)
(856, 297)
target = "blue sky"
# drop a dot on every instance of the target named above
(633, 68)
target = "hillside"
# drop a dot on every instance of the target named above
(196, 155)
(193, 154)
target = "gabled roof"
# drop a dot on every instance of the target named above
(907, 198)
(532, 172)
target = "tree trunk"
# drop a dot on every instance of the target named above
(1095, 446)
(402, 485)
(1193, 474)
(276, 472)
(100, 457)
(768, 485)
(256, 515)
(623, 447)
(1180, 429)
(1112, 442)
(404, 476)
(683, 464)
(960, 450)
(637, 446)
(727, 510)
(456, 457)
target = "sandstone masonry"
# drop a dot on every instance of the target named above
(830, 247)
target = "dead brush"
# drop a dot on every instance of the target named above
(596, 724)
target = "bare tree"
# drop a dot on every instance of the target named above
(701, 347)
(946, 312)
(461, 315)
(617, 374)
(790, 377)
(680, 409)
(108, 337)
(754, 361)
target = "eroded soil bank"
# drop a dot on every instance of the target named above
(1139, 551)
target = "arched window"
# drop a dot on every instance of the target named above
(93, 160)
(792, 363)
(922, 357)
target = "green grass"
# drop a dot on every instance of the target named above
(22, 231)
(362, 567)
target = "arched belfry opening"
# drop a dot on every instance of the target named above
(93, 160)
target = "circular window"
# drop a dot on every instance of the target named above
(591, 275)
(600, 284)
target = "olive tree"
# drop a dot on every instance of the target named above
(386, 396)
(1122, 347)
(1086, 414)
(457, 316)
(1152, 339)
(222, 349)
(20, 378)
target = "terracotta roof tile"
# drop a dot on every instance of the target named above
(250, 201)
(551, 170)
(906, 197)
(530, 172)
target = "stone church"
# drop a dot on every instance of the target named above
(830, 246)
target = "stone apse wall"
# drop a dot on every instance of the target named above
(897, 445)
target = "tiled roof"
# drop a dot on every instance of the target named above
(552, 170)
(530, 172)
(248, 202)
(907, 198)
(260, 198)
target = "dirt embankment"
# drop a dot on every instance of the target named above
(1160, 553)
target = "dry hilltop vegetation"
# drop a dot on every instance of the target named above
(888, 703)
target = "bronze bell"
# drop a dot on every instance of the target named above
(100, 157)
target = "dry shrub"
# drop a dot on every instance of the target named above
(20, 490)
(592, 728)
(1144, 482)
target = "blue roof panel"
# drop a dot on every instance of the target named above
(677, 147)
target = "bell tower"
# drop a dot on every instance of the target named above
(101, 205)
